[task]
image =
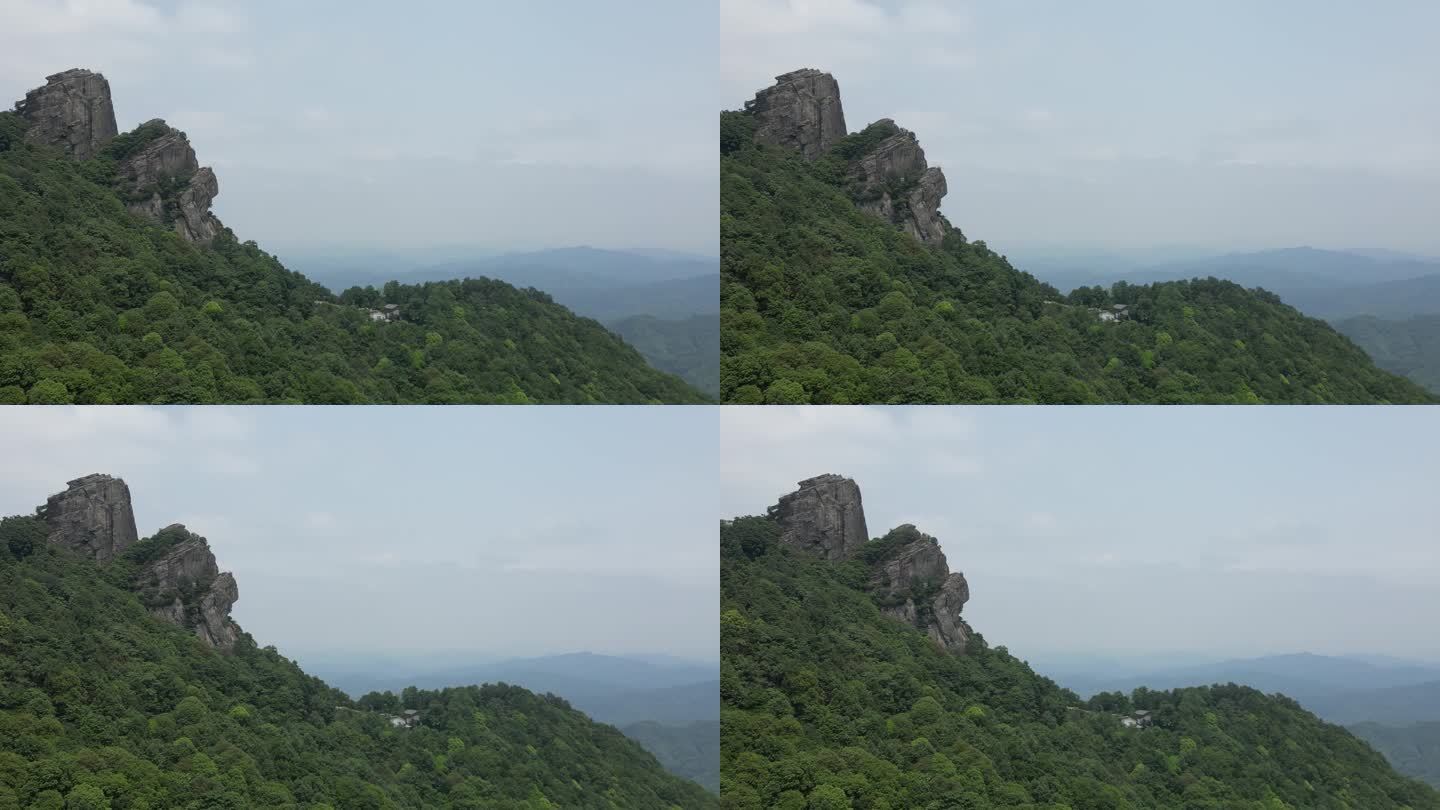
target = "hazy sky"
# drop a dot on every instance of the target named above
(509, 531)
(1120, 530)
(502, 124)
(1229, 124)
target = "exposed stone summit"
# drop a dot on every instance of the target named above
(910, 579)
(177, 575)
(800, 111)
(824, 516)
(72, 111)
(92, 517)
(161, 179)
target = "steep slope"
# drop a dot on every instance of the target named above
(842, 283)
(108, 698)
(1414, 750)
(689, 348)
(117, 284)
(691, 751)
(832, 699)
(1410, 347)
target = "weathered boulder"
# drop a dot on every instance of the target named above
(893, 181)
(912, 582)
(824, 517)
(800, 111)
(72, 112)
(93, 517)
(184, 585)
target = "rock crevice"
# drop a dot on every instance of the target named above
(92, 517)
(824, 516)
(71, 112)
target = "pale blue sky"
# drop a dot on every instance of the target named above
(390, 530)
(501, 124)
(1123, 123)
(1131, 530)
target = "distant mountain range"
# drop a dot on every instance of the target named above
(1391, 703)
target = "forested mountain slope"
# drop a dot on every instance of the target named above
(115, 692)
(842, 283)
(844, 684)
(118, 285)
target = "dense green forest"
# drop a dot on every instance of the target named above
(689, 348)
(827, 703)
(822, 303)
(98, 306)
(1409, 347)
(103, 706)
(691, 751)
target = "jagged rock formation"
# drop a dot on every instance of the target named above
(910, 578)
(824, 516)
(914, 584)
(72, 112)
(92, 517)
(167, 183)
(161, 178)
(801, 111)
(177, 576)
(185, 586)
(893, 182)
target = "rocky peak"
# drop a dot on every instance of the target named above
(824, 516)
(93, 517)
(182, 584)
(161, 179)
(800, 111)
(912, 582)
(72, 112)
(176, 574)
(893, 181)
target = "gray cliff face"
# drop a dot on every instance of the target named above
(915, 585)
(800, 111)
(92, 517)
(824, 517)
(72, 112)
(185, 586)
(163, 180)
(910, 581)
(165, 174)
(894, 182)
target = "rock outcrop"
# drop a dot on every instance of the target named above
(824, 516)
(167, 184)
(72, 112)
(910, 579)
(914, 584)
(161, 179)
(892, 181)
(92, 517)
(184, 586)
(176, 576)
(800, 111)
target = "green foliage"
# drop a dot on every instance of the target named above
(1414, 750)
(102, 705)
(826, 702)
(98, 306)
(824, 304)
(692, 751)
